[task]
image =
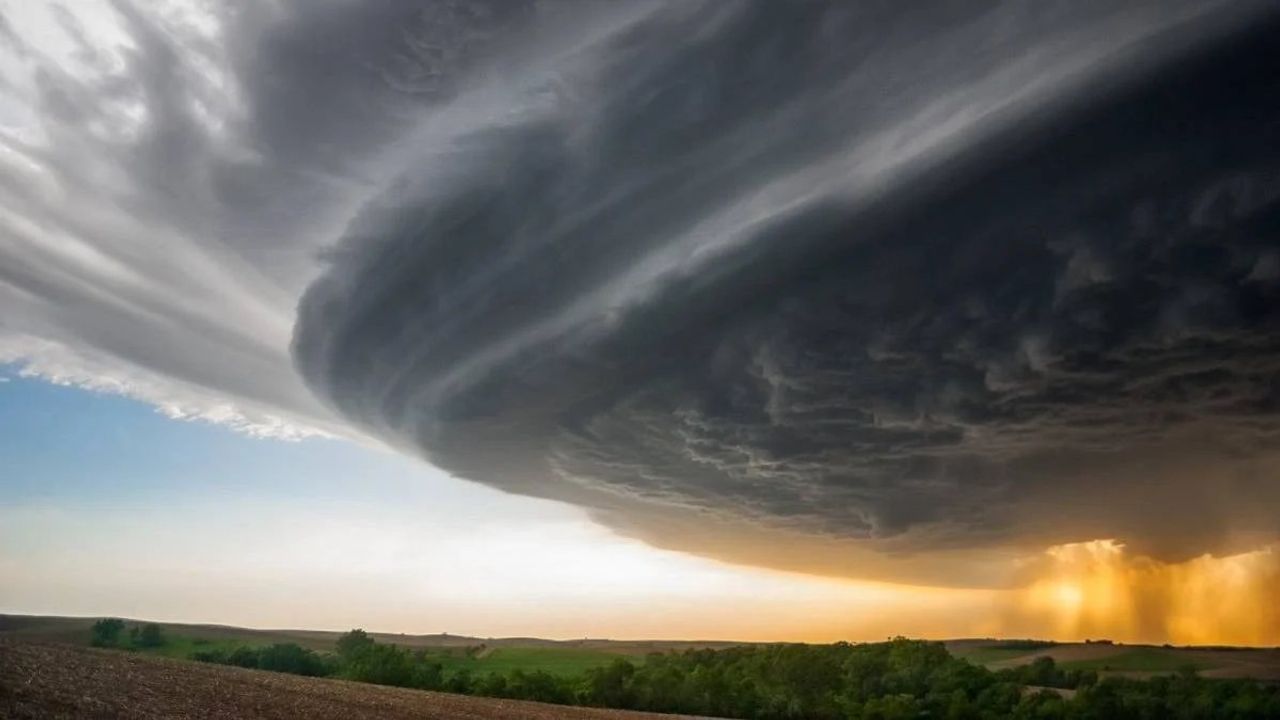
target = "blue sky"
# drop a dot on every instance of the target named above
(112, 508)
(50, 434)
(66, 445)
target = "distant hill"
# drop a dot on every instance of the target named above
(573, 655)
(52, 628)
(1110, 658)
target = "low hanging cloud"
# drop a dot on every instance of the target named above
(873, 280)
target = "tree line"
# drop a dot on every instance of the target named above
(893, 680)
(109, 633)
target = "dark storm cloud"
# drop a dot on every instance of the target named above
(916, 276)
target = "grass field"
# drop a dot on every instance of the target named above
(1143, 660)
(181, 647)
(1119, 659)
(1003, 652)
(986, 655)
(501, 660)
(556, 661)
(500, 656)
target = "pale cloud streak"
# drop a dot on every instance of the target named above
(169, 173)
(117, 270)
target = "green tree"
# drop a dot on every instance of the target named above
(459, 682)
(150, 636)
(381, 664)
(106, 632)
(352, 644)
(426, 675)
(243, 657)
(492, 685)
(290, 658)
(610, 686)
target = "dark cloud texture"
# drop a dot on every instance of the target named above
(896, 276)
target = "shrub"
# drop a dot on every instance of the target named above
(383, 665)
(106, 632)
(351, 644)
(150, 636)
(290, 658)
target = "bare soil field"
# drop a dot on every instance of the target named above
(40, 680)
(1259, 664)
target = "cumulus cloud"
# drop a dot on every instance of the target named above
(874, 280)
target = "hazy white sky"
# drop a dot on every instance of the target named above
(114, 509)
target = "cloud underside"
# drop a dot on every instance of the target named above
(859, 294)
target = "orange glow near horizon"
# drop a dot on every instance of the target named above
(1096, 589)
(564, 577)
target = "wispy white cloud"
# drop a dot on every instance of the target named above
(169, 173)
(179, 400)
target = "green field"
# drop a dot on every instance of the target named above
(993, 651)
(990, 654)
(180, 646)
(556, 661)
(501, 660)
(1077, 656)
(1145, 659)
(180, 641)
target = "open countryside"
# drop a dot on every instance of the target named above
(770, 680)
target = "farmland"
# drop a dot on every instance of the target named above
(571, 657)
(452, 652)
(45, 680)
(502, 660)
(988, 652)
(75, 630)
(1126, 660)
(898, 678)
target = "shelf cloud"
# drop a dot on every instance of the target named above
(922, 281)
(884, 290)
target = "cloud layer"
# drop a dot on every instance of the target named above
(880, 291)
(168, 174)
(938, 277)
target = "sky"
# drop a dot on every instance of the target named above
(112, 508)
(596, 319)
